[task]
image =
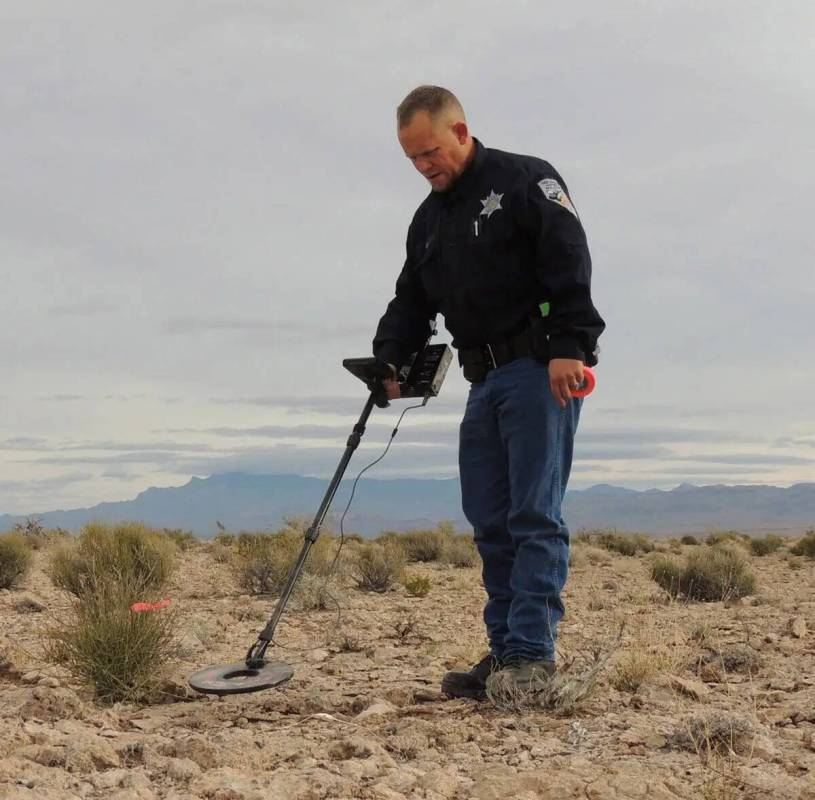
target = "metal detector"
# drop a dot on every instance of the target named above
(421, 377)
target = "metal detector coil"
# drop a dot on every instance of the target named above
(422, 377)
(239, 678)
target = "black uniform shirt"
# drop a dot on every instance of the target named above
(485, 254)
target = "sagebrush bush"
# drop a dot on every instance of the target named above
(424, 546)
(460, 551)
(182, 539)
(378, 566)
(689, 539)
(766, 545)
(33, 531)
(719, 573)
(725, 537)
(15, 559)
(417, 585)
(119, 652)
(805, 546)
(262, 561)
(137, 557)
(315, 593)
(667, 572)
(626, 544)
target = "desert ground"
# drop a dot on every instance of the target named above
(363, 717)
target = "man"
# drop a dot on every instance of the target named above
(497, 248)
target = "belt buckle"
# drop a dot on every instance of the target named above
(491, 355)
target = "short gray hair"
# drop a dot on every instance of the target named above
(432, 99)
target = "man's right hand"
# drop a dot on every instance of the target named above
(392, 385)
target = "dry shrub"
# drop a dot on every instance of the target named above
(417, 585)
(35, 534)
(138, 557)
(766, 545)
(424, 546)
(262, 561)
(315, 593)
(727, 537)
(562, 694)
(460, 551)
(805, 546)
(720, 732)
(15, 559)
(720, 573)
(667, 572)
(626, 544)
(689, 539)
(119, 652)
(732, 658)
(378, 566)
(182, 539)
(646, 658)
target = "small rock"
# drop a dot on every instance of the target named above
(30, 677)
(28, 605)
(695, 689)
(182, 769)
(762, 747)
(798, 627)
(771, 638)
(317, 656)
(109, 733)
(378, 708)
(49, 681)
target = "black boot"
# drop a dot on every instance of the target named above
(472, 684)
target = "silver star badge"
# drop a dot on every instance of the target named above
(491, 203)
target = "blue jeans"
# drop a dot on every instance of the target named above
(515, 454)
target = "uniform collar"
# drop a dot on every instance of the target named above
(467, 178)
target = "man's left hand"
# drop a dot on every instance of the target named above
(565, 376)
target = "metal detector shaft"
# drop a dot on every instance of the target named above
(254, 658)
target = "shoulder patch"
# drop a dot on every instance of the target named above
(553, 191)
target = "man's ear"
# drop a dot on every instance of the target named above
(461, 131)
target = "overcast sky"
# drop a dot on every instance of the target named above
(203, 209)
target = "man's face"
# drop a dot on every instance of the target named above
(438, 149)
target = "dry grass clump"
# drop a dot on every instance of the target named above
(417, 585)
(719, 573)
(626, 544)
(805, 546)
(119, 648)
(646, 658)
(719, 732)
(732, 658)
(727, 537)
(15, 559)
(460, 551)
(139, 557)
(315, 593)
(765, 545)
(561, 694)
(36, 536)
(378, 566)
(117, 651)
(262, 561)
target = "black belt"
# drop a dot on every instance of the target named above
(478, 361)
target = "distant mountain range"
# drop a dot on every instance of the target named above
(260, 502)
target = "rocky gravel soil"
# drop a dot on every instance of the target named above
(363, 717)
